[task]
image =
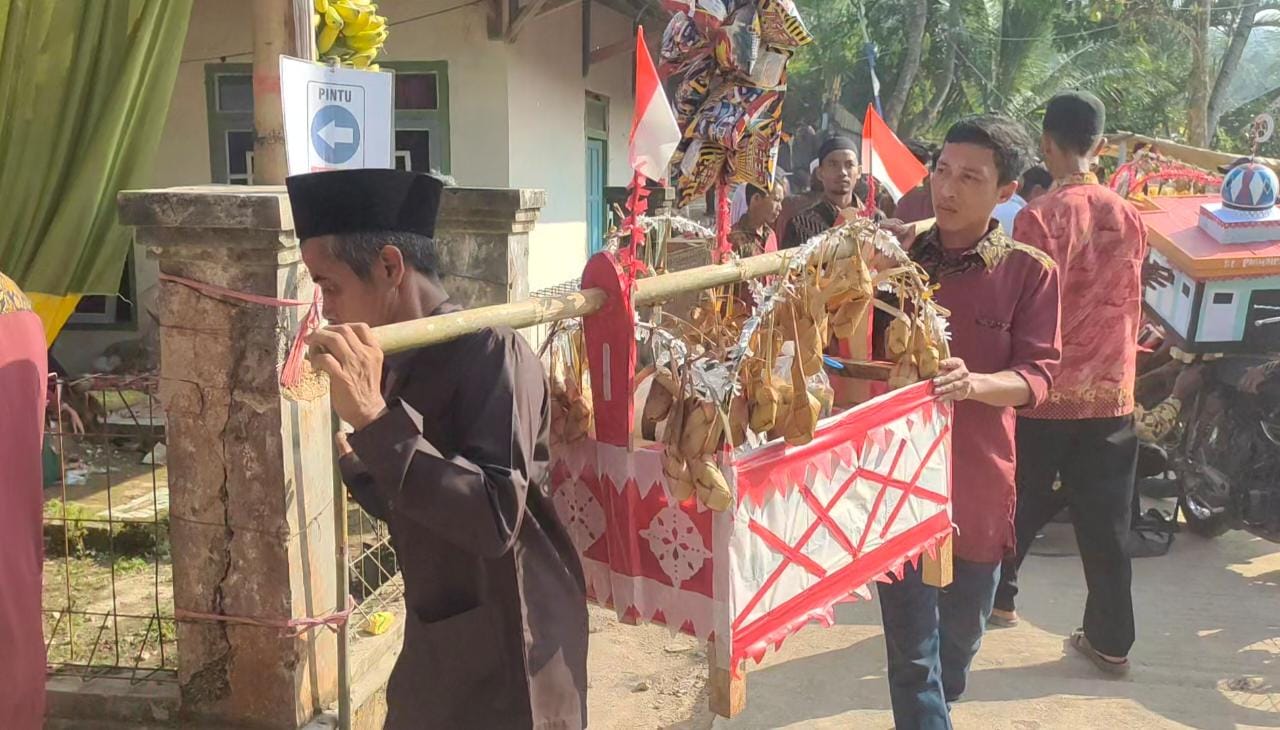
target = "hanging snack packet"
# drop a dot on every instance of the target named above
(757, 160)
(770, 71)
(702, 167)
(781, 24)
(692, 92)
(737, 43)
(683, 46)
(729, 108)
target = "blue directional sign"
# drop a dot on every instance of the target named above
(335, 134)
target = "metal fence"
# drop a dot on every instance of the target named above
(373, 573)
(108, 580)
(537, 334)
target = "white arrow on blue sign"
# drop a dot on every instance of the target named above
(335, 134)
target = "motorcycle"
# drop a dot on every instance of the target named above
(1226, 461)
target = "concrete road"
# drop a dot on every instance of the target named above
(1207, 655)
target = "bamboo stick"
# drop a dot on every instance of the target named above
(414, 333)
(1206, 159)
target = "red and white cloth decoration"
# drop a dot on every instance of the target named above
(887, 159)
(813, 525)
(654, 133)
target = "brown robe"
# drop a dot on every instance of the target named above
(458, 467)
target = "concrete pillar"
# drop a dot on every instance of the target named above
(483, 241)
(250, 464)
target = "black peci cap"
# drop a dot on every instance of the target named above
(1076, 111)
(362, 201)
(833, 144)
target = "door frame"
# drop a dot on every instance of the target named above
(601, 135)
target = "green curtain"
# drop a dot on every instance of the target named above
(84, 91)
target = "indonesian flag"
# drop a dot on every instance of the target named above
(887, 159)
(654, 133)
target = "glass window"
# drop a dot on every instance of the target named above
(413, 149)
(235, 93)
(417, 91)
(117, 309)
(1224, 297)
(597, 114)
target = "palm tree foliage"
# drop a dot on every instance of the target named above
(1010, 56)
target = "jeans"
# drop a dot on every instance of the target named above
(1096, 459)
(931, 636)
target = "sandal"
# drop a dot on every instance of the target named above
(1105, 665)
(1002, 621)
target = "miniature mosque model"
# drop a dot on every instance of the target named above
(1225, 256)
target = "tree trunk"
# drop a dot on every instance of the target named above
(910, 63)
(835, 89)
(942, 85)
(1230, 64)
(1198, 82)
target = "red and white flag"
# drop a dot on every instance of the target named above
(654, 133)
(885, 158)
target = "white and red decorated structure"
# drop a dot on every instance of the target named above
(1225, 255)
(812, 525)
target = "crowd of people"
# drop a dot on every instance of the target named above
(1044, 322)
(1040, 265)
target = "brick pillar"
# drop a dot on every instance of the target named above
(483, 237)
(250, 466)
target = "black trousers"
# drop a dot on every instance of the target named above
(1095, 459)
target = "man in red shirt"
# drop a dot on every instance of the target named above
(1003, 299)
(1084, 432)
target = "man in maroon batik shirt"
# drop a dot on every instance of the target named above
(1084, 432)
(1003, 299)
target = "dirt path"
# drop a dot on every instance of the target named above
(1208, 657)
(641, 677)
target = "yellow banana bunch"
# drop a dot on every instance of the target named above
(349, 32)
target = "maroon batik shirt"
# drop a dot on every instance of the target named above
(1003, 299)
(1099, 241)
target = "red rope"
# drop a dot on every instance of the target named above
(291, 370)
(288, 627)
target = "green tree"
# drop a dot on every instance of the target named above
(939, 60)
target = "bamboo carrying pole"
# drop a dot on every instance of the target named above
(651, 290)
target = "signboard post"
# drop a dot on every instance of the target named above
(336, 118)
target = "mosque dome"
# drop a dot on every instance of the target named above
(1251, 187)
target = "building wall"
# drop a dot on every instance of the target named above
(516, 120)
(548, 129)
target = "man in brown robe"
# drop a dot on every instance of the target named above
(450, 449)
